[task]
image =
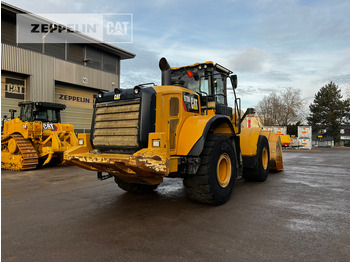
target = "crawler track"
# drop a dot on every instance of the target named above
(28, 159)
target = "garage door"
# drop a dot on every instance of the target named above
(13, 90)
(79, 102)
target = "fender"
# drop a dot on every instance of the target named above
(195, 129)
(249, 141)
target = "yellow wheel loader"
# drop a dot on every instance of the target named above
(36, 136)
(183, 128)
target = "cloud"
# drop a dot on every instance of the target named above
(251, 60)
(279, 76)
(269, 44)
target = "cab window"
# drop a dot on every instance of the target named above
(219, 88)
(26, 112)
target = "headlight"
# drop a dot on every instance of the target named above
(81, 141)
(137, 90)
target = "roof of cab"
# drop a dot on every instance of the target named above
(194, 65)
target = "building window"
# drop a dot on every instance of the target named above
(56, 50)
(109, 63)
(8, 28)
(33, 47)
(76, 53)
(93, 58)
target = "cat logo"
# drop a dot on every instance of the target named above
(48, 126)
(190, 102)
(116, 96)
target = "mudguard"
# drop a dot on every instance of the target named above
(195, 129)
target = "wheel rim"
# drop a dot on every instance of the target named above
(265, 158)
(224, 170)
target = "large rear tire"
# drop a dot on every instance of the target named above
(215, 178)
(260, 171)
(135, 188)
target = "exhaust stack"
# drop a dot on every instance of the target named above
(166, 71)
(13, 111)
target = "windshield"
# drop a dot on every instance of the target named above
(48, 115)
(26, 112)
(180, 77)
(210, 82)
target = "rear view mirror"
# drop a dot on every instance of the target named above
(234, 81)
(250, 111)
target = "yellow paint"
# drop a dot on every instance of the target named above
(223, 129)
(224, 170)
(285, 139)
(191, 131)
(173, 164)
(46, 142)
(163, 118)
(249, 140)
(276, 158)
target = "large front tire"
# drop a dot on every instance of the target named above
(215, 178)
(260, 171)
(135, 188)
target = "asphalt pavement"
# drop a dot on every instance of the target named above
(66, 214)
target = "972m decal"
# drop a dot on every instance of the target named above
(190, 102)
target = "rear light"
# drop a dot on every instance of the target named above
(184, 105)
(156, 142)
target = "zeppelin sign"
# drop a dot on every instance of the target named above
(74, 98)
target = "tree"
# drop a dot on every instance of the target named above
(347, 106)
(283, 108)
(328, 110)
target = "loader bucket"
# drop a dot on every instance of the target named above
(276, 160)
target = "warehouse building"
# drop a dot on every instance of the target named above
(66, 73)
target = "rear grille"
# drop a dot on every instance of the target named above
(117, 124)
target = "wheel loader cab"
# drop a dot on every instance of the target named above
(209, 80)
(41, 111)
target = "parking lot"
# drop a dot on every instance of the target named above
(65, 214)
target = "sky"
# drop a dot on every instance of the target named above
(269, 44)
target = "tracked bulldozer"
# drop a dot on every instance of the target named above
(36, 137)
(182, 128)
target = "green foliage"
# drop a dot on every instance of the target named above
(328, 110)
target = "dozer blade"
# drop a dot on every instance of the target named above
(276, 159)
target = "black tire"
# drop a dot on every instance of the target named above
(260, 171)
(207, 186)
(135, 188)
